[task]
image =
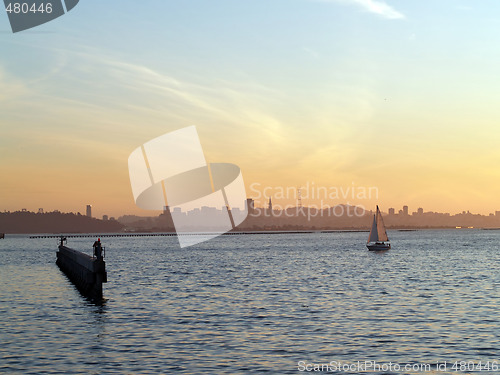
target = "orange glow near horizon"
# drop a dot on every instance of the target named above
(68, 174)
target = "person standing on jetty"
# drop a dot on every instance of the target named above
(97, 249)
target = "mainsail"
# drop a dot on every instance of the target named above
(378, 232)
(373, 237)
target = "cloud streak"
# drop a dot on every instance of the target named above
(373, 6)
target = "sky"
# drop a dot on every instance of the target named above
(401, 96)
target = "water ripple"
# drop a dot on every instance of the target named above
(253, 304)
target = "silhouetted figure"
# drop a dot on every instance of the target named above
(97, 249)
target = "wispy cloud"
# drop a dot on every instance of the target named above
(373, 6)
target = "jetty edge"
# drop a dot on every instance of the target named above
(86, 272)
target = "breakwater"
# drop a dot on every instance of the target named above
(169, 234)
(87, 273)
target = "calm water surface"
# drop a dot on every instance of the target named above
(254, 304)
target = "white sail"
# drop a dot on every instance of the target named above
(378, 232)
(382, 233)
(373, 237)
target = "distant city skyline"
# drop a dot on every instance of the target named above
(391, 211)
(340, 217)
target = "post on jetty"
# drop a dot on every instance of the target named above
(85, 271)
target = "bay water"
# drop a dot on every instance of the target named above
(257, 304)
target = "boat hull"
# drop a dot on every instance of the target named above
(378, 246)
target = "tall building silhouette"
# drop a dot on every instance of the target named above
(89, 210)
(269, 210)
(250, 206)
(405, 210)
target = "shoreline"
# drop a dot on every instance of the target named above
(235, 233)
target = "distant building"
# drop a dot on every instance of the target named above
(206, 210)
(89, 210)
(497, 213)
(420, 211)
(105, 217)
(391, 211)
(250, 206)
(270, 207)
(405, 210)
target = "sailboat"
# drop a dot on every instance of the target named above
(378, 239)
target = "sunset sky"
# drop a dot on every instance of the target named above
(398, 95)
